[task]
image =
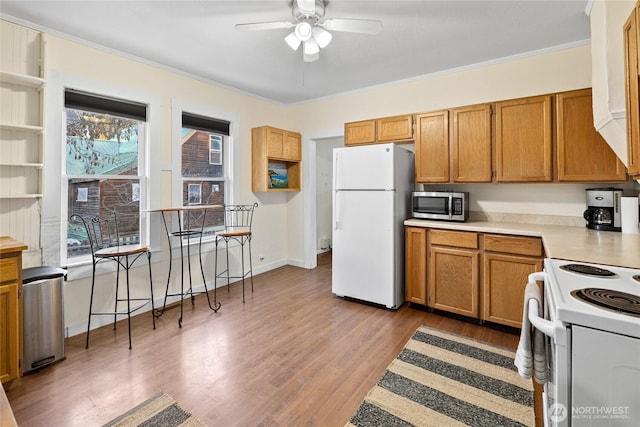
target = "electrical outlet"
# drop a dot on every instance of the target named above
(215, 188)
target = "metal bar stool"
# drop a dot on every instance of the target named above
(104, 240)
(237, 227)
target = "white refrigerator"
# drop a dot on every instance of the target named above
(372, 187)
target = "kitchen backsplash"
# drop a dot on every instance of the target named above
(572, 221)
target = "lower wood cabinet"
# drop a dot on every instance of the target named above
(416, 265)
(508, 261)
(453, 280)
(9, 332)
(478, 275)
(505, 277)
(454, 261)
(10, 308)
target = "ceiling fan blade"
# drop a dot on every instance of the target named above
(258, 26)
(363, 26)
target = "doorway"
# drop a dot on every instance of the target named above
(318, 150)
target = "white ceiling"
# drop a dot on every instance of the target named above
(418, 38)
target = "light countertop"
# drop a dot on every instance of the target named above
(562, 242)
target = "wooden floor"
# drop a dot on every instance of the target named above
(293, 355)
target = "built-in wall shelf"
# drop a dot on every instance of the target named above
(21, 196)
(22, 135)
(23, 165)
(21, 79)
(24, 128)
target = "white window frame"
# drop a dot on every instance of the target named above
(54, 201)
(231, 151)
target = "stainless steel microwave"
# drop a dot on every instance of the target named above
(442, 205)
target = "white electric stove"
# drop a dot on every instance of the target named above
(592, 323)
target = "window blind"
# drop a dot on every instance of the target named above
(207, 124)
(105, 105)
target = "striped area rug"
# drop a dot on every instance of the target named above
(159, 411)
(440, 379)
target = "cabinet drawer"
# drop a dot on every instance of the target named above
(460, 239)
(8, 269)
(513, 244)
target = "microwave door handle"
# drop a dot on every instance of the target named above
(450, 206)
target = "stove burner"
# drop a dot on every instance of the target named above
(588, 270)
(617, 301)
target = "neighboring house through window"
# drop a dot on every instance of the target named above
(204, 174)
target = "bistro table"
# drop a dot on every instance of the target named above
(186, 232)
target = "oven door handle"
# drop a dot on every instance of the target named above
(547, 327)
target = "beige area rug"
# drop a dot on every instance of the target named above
(441, 379)
(159, 411)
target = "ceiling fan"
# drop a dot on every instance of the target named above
(309, 28)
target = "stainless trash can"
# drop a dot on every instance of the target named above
(43, 317)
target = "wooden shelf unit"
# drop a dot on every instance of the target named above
(275, 147)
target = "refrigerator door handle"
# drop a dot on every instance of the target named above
(335, 172)
(335, 191)
(335, 210)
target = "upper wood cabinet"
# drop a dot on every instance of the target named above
(471, 144)
(632, 76)
(281, 144)
(397, 128)
(523, 140)
(386, 129)
(454, 146)
(357, 133)
(581, 152)
(432, 147)
(275, 152)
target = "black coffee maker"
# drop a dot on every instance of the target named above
(603, 209)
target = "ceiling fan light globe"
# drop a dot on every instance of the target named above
(293, 41)
(303, 31)
(322, 36)
(311, 47)
(311, 58)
